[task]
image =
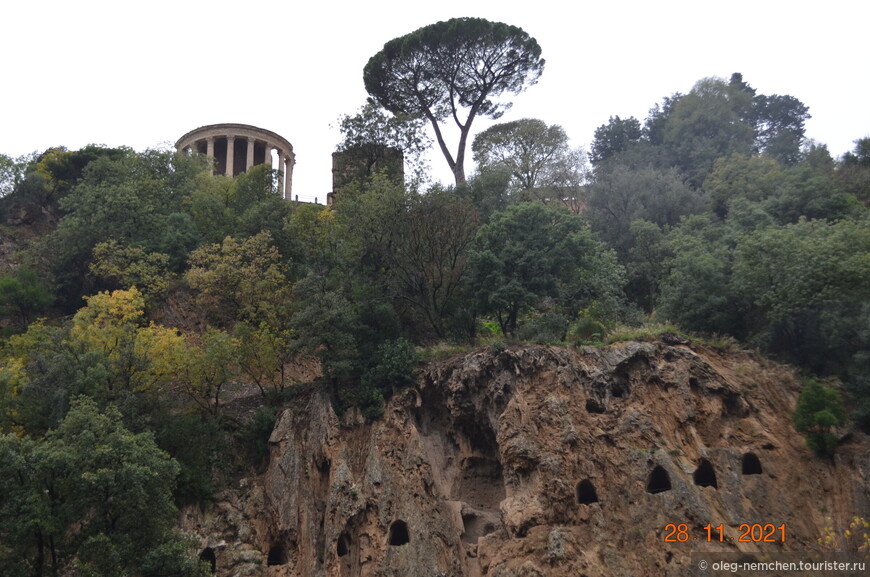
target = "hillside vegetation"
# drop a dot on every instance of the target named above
(155, 316)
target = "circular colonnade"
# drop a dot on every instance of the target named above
(237, 147)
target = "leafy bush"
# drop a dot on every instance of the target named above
(393, 367)
(22, 296)
(174, 558)
(819, 409)
(489, 329)
(255, 434)
(586, 329)
(549, 327)
(193, 441)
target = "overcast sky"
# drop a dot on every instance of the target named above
(143, 74)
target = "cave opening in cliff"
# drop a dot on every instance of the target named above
(586, 494)
(343, 545)
(277, 555)
(659, 481)
(399, 534)
(705, 476)
(751, 464)
(594, 406)
(208, 556)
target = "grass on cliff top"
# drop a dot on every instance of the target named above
(644, 333)
(653, 331)
(648, 332)
(443, 350)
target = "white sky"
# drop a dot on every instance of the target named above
(143, 74)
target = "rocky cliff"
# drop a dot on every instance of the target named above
(539, 461)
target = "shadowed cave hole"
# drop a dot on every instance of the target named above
(399, 534)
(705, 476)
(480, 481)
(343, 545)
(208, 556)
(659, 481)
(277, 555)
(751, 464)
(324, 467)
(476, 525)
(593, 406)
(586, 494)
(733, 405)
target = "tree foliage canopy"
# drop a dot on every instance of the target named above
(370, 134)
(453, 70)
(90, 496)
(531, 252)
(538, 157)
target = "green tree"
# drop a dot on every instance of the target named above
(241, 281)
(392, 368)
(270, 215)
(127, 199)
(488, 191)
(539, 158)
(621, 195)
(804, 285)
(129, 266)
(453, 70)
(13, 171)
(256, 185)
(696, 291)
(429, 262)
(806, 193)
(22, 295)
(754, 178)
(325, 326)
(530, 252)
(658, 117)
(263, 353)
(205, 367)
(369, 135)
(853, 170)
(90, 496)
(614, 138)
(106, 352)
(819, 409)
(645, 264)
(179, 237)
(122, 482)
(211, 207)
(711, 121)
(779, 124)
(807, 264)
(314, 237)
(410, 248)
(857, 377)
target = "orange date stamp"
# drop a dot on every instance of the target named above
(747, 533)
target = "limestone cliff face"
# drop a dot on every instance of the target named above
(539, 461)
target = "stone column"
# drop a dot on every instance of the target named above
(281, 172)
(289, 161)
(231, 152)
(267, 155)
(250, 159)
(209, 152)
(288, 175)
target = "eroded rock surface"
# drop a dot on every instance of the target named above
(539, 461)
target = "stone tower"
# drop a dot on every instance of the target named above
(361, 162)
